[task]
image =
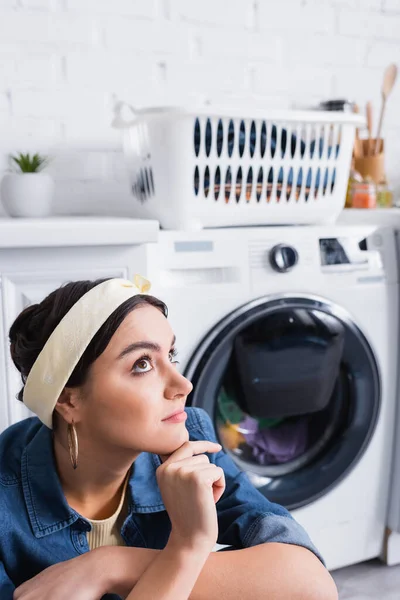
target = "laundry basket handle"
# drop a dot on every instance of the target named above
(119, 122)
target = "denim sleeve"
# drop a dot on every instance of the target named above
(6, 586)
(245, 516)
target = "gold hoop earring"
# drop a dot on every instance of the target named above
(73, 444)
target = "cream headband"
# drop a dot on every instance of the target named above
(69, 340)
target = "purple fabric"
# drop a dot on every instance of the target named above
(278, 444)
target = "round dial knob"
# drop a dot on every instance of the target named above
(283, 258)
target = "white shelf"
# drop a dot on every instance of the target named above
(386, 217)
(76, 231)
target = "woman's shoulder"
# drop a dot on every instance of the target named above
(199, 423)
(13, 442)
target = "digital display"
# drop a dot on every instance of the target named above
(332, 252)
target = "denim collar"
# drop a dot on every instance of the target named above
(46, 504)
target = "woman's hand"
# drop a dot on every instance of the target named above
(190, 486)
(81, 578)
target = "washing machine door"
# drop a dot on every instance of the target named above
(293, 388)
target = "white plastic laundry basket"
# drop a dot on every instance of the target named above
(207, 169)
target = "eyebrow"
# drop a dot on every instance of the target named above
(143, 346)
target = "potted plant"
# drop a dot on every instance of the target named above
(28, 192)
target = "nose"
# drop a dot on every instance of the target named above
(177, 386)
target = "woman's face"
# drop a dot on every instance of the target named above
(134, 386)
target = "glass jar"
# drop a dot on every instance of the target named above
(354, 177)
(384, 195)
(363, 194)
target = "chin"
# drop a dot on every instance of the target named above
(174, 442)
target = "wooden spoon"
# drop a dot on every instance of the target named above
(388, 82)
(357, 142)
(369, 126)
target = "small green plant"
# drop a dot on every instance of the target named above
(30, 164)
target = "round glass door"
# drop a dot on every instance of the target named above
(293, 388)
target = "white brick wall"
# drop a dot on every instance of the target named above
(63, 63)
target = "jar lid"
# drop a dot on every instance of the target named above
(364, 185)
(341, 105)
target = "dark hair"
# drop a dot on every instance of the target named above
(34, 325)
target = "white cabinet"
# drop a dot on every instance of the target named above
(31, 270)
(4, 404)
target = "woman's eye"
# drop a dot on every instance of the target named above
(143, 365)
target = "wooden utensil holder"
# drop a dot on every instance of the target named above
(371, 165)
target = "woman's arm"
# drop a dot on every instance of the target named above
(172, 575)
(272, 570)
(190, 486)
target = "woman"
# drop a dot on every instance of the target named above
(115, 465)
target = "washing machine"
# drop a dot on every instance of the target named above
(288, 335)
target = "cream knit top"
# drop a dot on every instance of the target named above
(107, 532)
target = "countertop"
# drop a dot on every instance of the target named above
(386, 217)
(76, 231)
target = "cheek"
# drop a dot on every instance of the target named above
(127, 412)
(125, 398)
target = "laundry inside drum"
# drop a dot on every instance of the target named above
(282, 400)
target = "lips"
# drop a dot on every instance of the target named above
(176, 412)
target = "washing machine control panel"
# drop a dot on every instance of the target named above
(283, 258)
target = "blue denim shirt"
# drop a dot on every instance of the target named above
(38, 528)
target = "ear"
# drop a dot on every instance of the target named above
(68, 405)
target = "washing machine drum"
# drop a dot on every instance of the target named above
(293, 387)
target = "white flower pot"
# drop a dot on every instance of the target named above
(27, 194)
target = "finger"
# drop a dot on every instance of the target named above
(211, 474)
(191, 461)
(192, 448)
(189, 449)
(218, 484)
(219, 487)
(214, 476)
(191, 471)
